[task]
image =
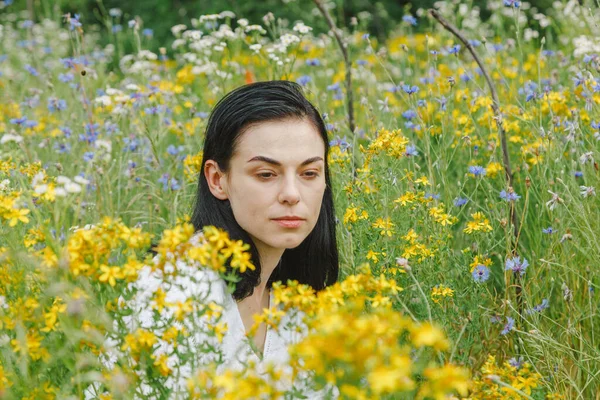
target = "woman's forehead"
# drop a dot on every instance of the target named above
(277, 138)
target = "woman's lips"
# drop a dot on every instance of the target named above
(289, 223)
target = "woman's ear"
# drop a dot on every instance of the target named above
(217, 180)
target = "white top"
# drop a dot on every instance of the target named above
(205, 286)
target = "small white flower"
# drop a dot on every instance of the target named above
(73, 187)
(132, 86)
(11, 138)
(81, 180)
(301, 28)
(243, 22)
(60, 192)
(62, 180)
(4, 184)
(554, 200)
(177, 29)
(587, 191)
(585, 157)
(258, 28)
(40, 189)
(103, 100)
(256, 47)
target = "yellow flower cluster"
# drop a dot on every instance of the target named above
(354, 214)
(213, 249)
(233, 384)
(479, 223)
(441, 291)
(415, 247)
(191, 166)
(392, 143)
(354, 339)
(10, 211)
(506, 381)
(89, 251)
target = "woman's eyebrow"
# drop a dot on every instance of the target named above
(275, 162)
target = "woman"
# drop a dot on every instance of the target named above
(265, 181)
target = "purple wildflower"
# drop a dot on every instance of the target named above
(516, 265)
(481, 273)
(510, 324)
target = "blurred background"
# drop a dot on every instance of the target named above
(379, 17)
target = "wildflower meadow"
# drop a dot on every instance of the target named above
(464, 160)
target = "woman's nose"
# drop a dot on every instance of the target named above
(289, 191)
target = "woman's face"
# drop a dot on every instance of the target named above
(277, 170)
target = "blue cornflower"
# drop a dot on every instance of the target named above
(30, 123)
(460, 201)
(409, 114)
(516, 265)
(56, 104)
(148, 32)
(62, 147)
(153, 110)
(66, 131)
(434, 196)
(27, 24)
(434, 52)
(18, 121)
(74, 22)
(509, 196)
(474, 42)
(454, 49)
(110, 127)
(512, 3)
(596, 125)
(164, 179)
(422, 103)
(335, 86)
(313, 62)
(510, 324)
(516, 362)
(365, 36)
(466, 77)
(88, 156)
(410, 19)
(542, 306)
(175, 184)
(201, 114)
(31, 70)
(341, 142)
(548, 231)
(117, 28)
(578, 174)
(443, 101)
(578, 79)
(338, 95)
(477, 170)
(8, 2)
(132, 144)
(411, 150)
(410, 89)
(361, 62)
(68, 77)
(481, 273)
(303, 80)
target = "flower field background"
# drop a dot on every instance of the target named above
(439, 294)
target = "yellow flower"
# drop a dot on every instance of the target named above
(161, 363)
(479, 223)
(386, 226)
(110, 275)
(428, 335)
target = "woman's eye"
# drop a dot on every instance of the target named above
(312, 174)
(265, 175)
